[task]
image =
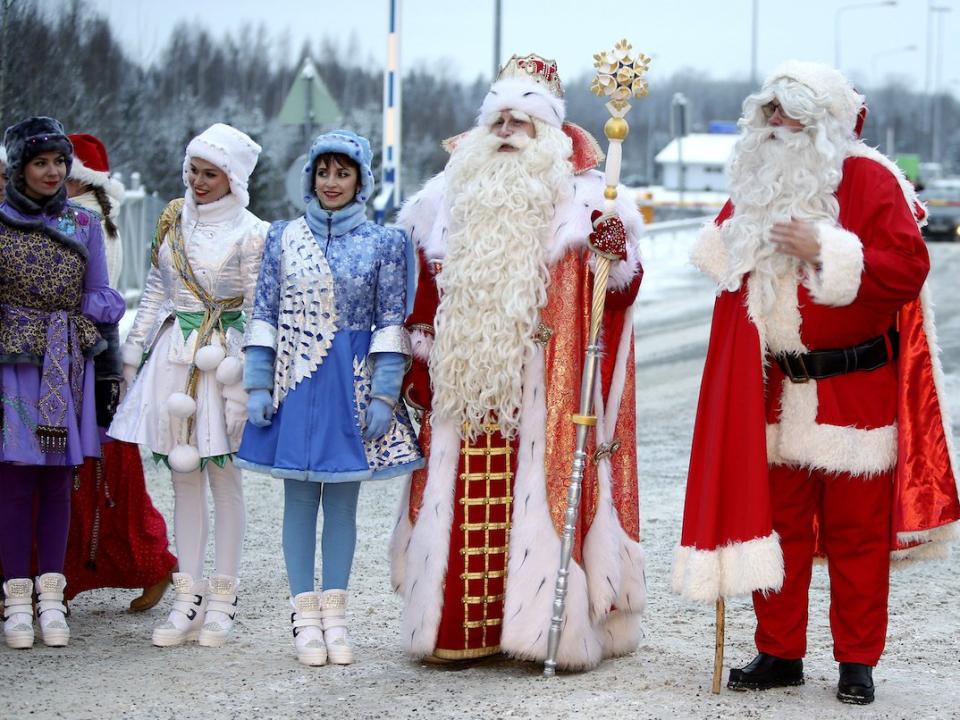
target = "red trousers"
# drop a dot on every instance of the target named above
(852, 516)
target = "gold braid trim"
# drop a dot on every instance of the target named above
(168, 218)
(213, 308)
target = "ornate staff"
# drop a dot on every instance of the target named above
(620, 76)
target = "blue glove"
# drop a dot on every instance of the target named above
(260, 407)
(258, 367)
(378, 419)
(388, 370)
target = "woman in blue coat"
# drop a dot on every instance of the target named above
(325, 355)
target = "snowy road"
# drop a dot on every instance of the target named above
(111, 671)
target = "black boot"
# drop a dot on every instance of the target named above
(856, 684)
(765, 672)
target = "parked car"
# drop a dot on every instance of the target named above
(943, 211)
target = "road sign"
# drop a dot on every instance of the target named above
(293, 183)
(309, 102)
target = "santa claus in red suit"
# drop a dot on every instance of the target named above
(499, 328)
(820, 429)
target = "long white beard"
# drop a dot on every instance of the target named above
(776, 175)
(494, 277)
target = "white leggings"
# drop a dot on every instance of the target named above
(190, 518)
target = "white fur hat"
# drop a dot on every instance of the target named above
(832, 90)
(529, 84)
(230, 150)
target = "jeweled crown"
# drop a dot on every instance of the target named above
(534, 68)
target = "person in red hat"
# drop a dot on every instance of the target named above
(117, 537)
(820, 428)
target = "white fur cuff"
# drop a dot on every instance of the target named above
(735, 569)
(841, 265)
(709, 255)
(420, 344)
(131, 354)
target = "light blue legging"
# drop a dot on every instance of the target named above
(301, 501)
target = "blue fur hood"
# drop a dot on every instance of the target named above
(348, 143)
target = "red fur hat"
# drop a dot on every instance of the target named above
(91, 164)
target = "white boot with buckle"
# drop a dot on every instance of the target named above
(51, 612)
(307, 622)
(186, 618)
(18, 613)
(334, 613)
(221, 611)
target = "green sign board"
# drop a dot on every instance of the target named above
(910, 164)
(309, 102)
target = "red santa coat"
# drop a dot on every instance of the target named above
(606, 589)
(874, 263)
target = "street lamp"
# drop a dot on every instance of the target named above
(938, 80)
(884, 53)
(678, 125)
(836, 23)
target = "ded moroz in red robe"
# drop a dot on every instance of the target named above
(874, 264)
(476, 548)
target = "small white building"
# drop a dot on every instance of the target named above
(705, 157)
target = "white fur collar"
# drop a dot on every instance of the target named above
(426, 219)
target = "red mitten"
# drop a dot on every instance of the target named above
(609, 236)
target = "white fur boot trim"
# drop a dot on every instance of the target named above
(18, 613)
(187, 615)
(307, 622)
(51, 612)
(221, 611)
(334, 613)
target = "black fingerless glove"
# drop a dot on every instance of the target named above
(108, 398)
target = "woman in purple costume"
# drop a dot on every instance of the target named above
(57, 311)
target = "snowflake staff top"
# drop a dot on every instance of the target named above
(620, 76)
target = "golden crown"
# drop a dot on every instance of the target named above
(534, 68)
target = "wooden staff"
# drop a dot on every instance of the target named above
(620, 76)
(718, 652)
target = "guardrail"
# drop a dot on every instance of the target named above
(669, 226)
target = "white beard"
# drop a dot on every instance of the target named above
(494, 277)
(776, 175)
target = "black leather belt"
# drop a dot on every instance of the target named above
(820, 364)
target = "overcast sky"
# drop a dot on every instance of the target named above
(711, 36)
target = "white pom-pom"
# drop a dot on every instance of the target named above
(181, 405)
(230, 371)
(209, 357)
(184, 458)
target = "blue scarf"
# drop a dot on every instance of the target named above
(335, 222)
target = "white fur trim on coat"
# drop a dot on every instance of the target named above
(861, 149)
(614, 563)
(529, 97)
(729, 571)
(841, 267)
(799, 440)
(426, 220)
(421, 343)
(131, 354)
(709, 255)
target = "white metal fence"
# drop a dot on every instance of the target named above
(138, 219)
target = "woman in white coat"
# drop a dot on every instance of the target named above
(187, 404)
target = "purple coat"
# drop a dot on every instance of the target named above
(50, 330)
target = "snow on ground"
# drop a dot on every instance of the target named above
(111, 671)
